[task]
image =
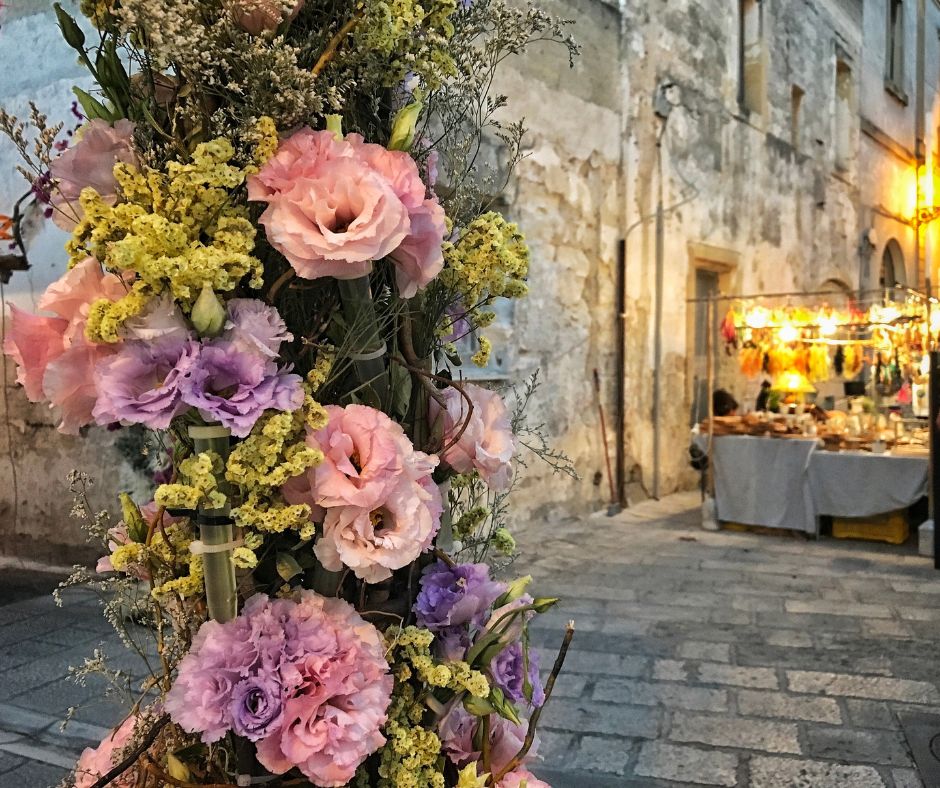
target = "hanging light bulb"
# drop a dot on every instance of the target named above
(788, 333)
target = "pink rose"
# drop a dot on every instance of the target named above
(380, 506)
(96, 762)
(487, 444)
(56, 363)
(520, 778)
(335, 206)
(90, 163)
(258, 16)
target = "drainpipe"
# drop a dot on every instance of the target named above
(919, 147)
(662, 108)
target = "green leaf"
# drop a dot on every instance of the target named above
(401, 390)
(287, 566)
(93, 109)
(504, 708)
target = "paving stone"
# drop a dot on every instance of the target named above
(32, 774)
(825, 607)
(601, 754)
(789, 638)
(906, 778)
(670, 670)
(762, 604)
(698, 649)
(874, 687)
(686, 764)
(737, 676)
(735, 732)
(8, 761)
(670, 695)
(870, 714)
(846, 744)
(789, 773)
(791, 707)
(555, 748)
(592, 717)
(608, 664)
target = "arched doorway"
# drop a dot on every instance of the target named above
(893, 270)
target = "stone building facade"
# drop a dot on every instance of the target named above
(775, 136)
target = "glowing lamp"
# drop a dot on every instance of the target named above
(788, 333)
(793, 382)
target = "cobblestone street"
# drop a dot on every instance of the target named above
(728, 659)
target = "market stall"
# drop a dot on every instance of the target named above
(841, 431)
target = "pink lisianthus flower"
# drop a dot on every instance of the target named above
(420, 257)
(520, 778)
(253, 326)
(90, 163)
(381, 507)
(329, 213)
(306, 678)
(487, 445)
(160, 320)
(56, 363)
(335, 206)
(95, 762)
(457, 730)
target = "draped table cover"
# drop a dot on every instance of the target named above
(789, 483)
(764, 481)
(858, 484)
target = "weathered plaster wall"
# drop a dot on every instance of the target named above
(35, 64)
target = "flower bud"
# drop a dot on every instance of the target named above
(71, 32)
(133, 519)
(208, 313)
(403, 127)
(334, 123)
(478, 707)
(515, 590)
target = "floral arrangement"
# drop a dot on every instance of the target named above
(280, 237)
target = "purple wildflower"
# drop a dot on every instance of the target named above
(457, 595)
(235, 388)
(255, 327)
(142, 383)
(509, 673)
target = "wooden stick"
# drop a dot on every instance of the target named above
(330, 52)
(534, 719)
(131, 759)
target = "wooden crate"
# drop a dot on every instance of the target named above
(892, 527)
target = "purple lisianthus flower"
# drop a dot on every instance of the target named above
(459, 324)
(456, 595)
(143, 382)
(254, 326)
(452, 643)
(257, 707)
(509, 672)
(161, 319)
(235, 388)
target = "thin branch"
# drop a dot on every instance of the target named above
(331, 48)
(135, 754)
(534, 719)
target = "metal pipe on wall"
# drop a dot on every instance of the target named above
(658, 325)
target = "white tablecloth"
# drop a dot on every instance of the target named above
(859, 484)
(789, 483)
(764, 481)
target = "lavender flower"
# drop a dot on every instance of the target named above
(142, 383)
(254, 326)
(509, 673)
(256, 707)
(451, 596)
(235, 388)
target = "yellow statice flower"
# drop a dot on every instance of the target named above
(270, 516)
(198, 484)
(178, 230)
(106, 318)
(316, 377)
(190, 584)
(482, 357)
(265, 139)
(244, 558)
(489, 260)
(127, 555)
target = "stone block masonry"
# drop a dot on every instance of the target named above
(768, 700)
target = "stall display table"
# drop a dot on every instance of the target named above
(859, 484)
(790, 483)
(763, 481)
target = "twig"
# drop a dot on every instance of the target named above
(279, 283)
(330, 52)
(534, 719)
(131, 759)
(444, 557)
